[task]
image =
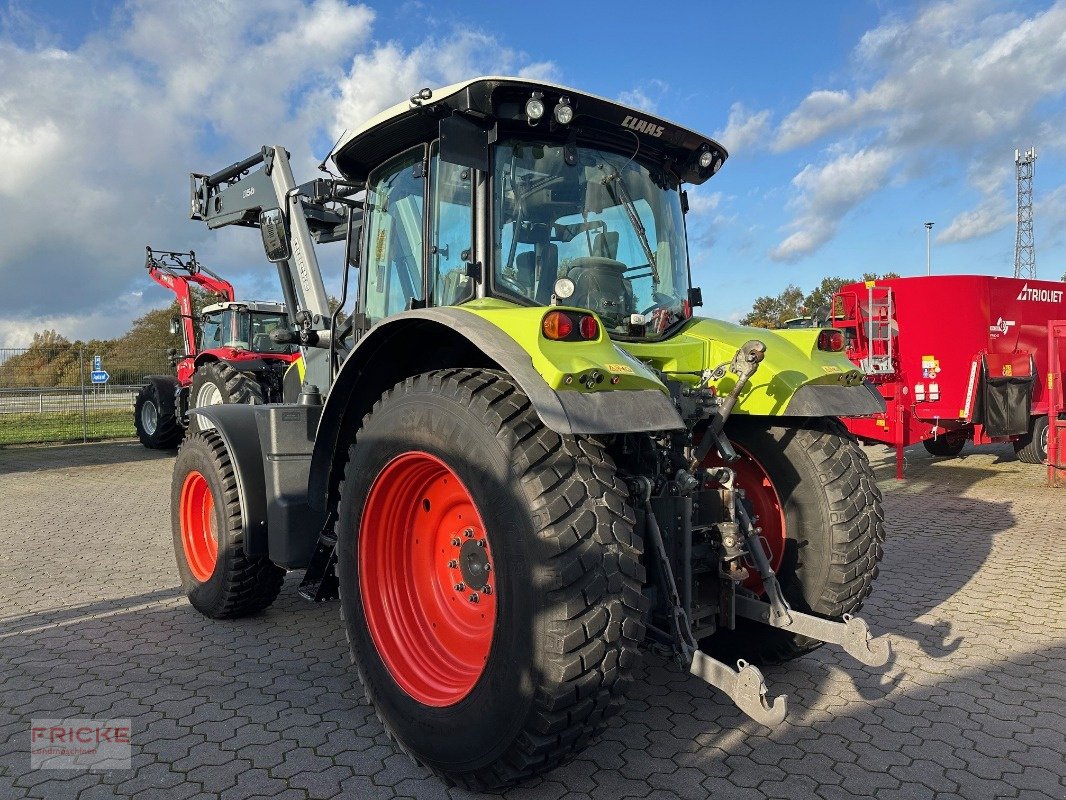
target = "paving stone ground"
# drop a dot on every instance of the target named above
(92, 624)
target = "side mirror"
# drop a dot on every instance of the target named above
(695, 296)
(275, 236)
(175, 326)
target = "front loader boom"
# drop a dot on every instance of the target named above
(262, 187)
(176, 271)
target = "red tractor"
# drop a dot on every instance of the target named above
(237, 360)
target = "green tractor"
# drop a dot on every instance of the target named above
(516, 456)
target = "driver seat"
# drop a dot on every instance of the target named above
(602, 287)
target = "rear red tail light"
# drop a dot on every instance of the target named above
(831, 341)
(570, 326)
(557, 325)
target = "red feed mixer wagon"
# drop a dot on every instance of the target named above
(957, 358)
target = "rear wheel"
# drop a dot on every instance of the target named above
(220, 579)
(157, 428)
(490, 578)
(822, 525)
(947, 445)
(1032, 447)
(217, 382)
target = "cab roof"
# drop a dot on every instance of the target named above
(497, 101)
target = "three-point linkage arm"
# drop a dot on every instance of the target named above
(175, 271)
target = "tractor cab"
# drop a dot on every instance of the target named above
(244, 326)
(527, 193)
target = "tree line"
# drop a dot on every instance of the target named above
(773, 311)
(53, 360)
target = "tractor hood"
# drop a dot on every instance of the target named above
(795, 378)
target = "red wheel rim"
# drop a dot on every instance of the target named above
(753, 478)
(199, 533)
(426, 579)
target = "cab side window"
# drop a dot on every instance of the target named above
(451, 231)
(396, 202)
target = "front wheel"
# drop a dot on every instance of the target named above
(490, 578)
(219, 577)
(819, 508)
(1032, 447)
(155, 422)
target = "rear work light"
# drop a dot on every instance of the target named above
(570, 326)
(831, 341)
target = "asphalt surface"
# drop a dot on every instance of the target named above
(92, 624)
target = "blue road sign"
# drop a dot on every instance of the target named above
(99, 376)
(98, 363)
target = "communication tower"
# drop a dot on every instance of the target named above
(1024, 247)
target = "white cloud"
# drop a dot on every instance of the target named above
(98, 140)
(645, 96)
(959, 80)
(989, 217)
(827, 193)
(953, 76)
(745, 130)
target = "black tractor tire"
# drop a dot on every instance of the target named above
(834, 530)
(205, 506)
(1032, 447)
(947, 445)
(559, 530)
(157, 429)
(225, 384)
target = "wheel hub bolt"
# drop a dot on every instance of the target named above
(486, 589)
(488, 568)
(480, 542)
(473, 597)
(456, 542)
(453, 564)
(469, 533)
(459, 587)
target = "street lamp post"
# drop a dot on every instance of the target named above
(928, 250)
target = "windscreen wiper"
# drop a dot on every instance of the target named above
(621, 194)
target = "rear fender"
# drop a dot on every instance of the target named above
(424, 340)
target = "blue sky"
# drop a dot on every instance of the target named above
(850, 124)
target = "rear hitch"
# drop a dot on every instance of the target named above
(745, 686)
(852, 634)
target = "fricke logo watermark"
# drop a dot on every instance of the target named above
(80, 744)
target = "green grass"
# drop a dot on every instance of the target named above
(65, 426)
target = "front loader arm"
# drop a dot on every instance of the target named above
(261, 188)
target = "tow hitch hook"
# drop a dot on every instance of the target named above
(745, 686)
(852, 634)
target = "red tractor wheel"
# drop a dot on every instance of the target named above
(220, 579)
(490, 578)
(819, 508)
(428, 598)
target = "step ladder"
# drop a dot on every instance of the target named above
(880, 329)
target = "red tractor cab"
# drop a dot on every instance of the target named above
(233, 358)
